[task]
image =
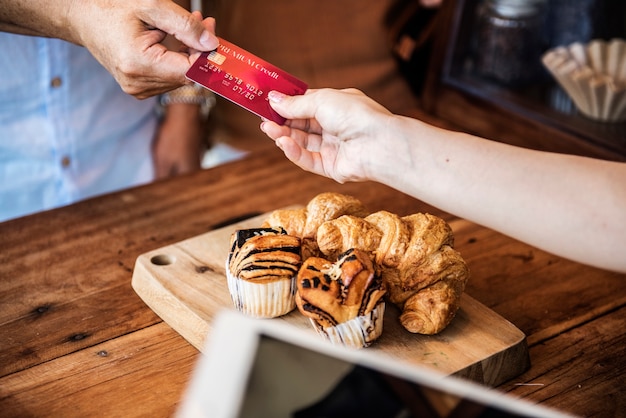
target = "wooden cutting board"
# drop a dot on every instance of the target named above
(184, 283)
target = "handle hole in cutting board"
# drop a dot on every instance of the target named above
(163, 260)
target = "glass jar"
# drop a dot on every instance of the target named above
(509, 40)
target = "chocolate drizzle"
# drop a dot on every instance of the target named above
(264, 254)
(333, 293)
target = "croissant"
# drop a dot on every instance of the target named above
(394, 240)
(423, 274)
(304, 222)
(345, 232)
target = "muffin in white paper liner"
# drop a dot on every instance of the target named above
(359, 332)
(262, 300)
(593, 75)
(343, 300)
(261, 270)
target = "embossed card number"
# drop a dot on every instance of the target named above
(243, 78)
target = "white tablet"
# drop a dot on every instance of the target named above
(269, 369)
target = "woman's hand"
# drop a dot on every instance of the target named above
(329, 132)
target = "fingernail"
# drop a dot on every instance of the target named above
(276, 96)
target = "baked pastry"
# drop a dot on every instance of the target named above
(338, 235)
(304, 222)
(424, 276)
(261, 270)
(343, 300)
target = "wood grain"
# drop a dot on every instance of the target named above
(568, 293)
(146, 373)
(598, 392)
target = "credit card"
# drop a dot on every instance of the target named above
(243, 78)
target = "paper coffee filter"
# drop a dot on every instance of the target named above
(593, 75)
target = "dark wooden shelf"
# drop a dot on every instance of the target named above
(546, 104)
(539, 116)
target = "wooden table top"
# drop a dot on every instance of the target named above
(76, 340)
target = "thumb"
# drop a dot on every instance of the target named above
(293, 107)
(188, 28)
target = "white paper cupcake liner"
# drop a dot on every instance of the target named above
(262, 300)
(593, 75)
(359, 332)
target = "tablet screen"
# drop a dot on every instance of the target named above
(291, 381)
(265, 368)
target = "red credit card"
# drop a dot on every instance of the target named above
(244, 79)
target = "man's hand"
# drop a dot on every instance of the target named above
(124, 36)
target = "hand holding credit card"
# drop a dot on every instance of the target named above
(244, 79)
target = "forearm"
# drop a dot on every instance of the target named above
(37, 17)
(125, 37)
(179, 143)
(570, 206)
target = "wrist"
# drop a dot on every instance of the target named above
(189, 95)
(393, 157)
(182, 113)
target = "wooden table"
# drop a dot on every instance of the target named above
(76, 340)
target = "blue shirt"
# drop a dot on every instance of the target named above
(67, 130)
